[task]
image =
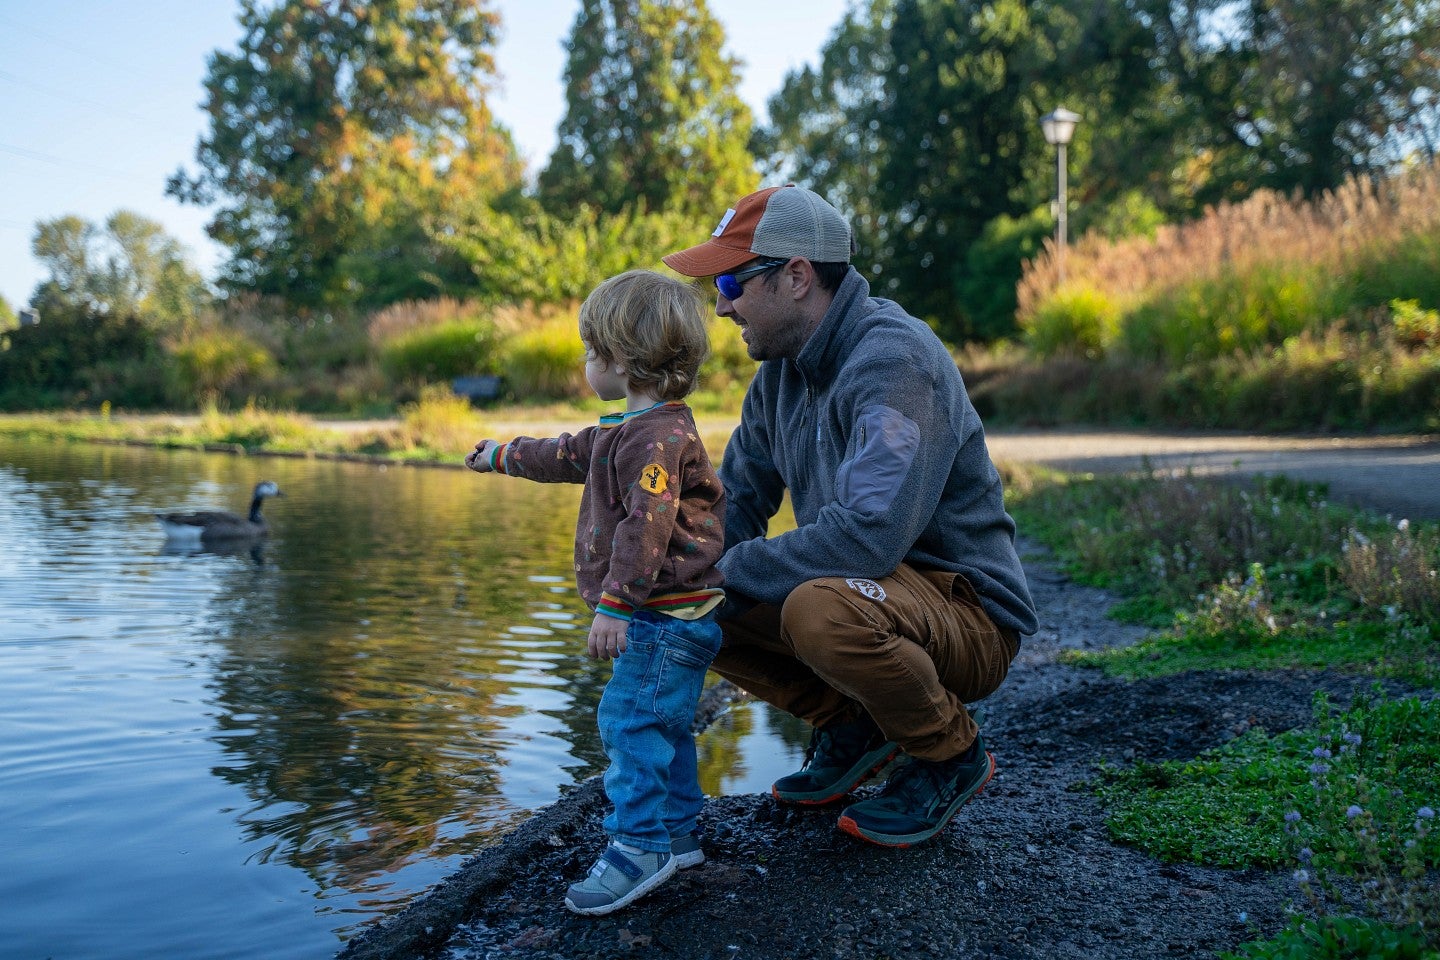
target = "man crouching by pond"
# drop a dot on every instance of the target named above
(899, 597)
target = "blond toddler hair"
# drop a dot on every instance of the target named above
(651, 326)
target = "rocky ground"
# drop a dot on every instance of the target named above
(1026, 870)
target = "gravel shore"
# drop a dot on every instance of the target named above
(1027, 870)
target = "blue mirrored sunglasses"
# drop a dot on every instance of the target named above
(732, 285)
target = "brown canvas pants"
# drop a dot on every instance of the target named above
(911, 649)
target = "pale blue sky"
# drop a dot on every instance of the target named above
(100, 101)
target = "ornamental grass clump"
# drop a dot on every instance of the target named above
(1395, 573)
(1239, 609)
(438, 423)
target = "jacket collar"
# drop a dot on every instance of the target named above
(838, 333)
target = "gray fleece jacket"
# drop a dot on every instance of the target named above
(873, 434)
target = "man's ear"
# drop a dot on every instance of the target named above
(799, 273)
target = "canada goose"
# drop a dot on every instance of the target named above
(206, 525)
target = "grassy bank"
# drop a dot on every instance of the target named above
(1264, 578)
(437, 428)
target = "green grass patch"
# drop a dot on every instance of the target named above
(1400, 652)
(1349, 803)
(1263, 576)
(1228, 806)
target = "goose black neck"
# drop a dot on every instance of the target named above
(255, 509)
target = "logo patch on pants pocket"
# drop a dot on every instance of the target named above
(867, 588)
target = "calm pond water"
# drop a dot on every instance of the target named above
(250, 754)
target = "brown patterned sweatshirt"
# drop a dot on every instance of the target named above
(652, 517)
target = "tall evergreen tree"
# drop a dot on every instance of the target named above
(652, 117)
(343, 135)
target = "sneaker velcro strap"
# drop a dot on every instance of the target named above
(624, 864)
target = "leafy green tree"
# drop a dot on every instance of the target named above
(1290, 94)
(922, 122)
(1336, 79)
(652, 117)
(130, 267)
(343, 136)
(522, 253)
(8, 320)
(824, 126)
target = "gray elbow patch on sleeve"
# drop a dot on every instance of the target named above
(886, 444)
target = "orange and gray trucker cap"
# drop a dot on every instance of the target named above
(780, 222)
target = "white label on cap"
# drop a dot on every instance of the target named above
(724, 222)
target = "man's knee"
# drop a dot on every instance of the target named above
(817, 613)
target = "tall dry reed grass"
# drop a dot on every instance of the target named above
(1341, 231)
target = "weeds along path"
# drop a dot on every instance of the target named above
(1026, 870)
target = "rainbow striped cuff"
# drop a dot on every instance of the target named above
(613, 606)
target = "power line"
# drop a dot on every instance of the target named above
(61, 42)
(53, 160)
(105, 108)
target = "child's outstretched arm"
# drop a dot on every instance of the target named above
(480, 459)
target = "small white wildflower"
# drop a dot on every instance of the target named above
(1403, 525)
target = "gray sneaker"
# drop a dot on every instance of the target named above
(840, 758)
(686, 851)
(618, 879)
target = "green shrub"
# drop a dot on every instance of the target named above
(210, 363)
(254, 428)
(529, 255)
(69, 355)
(434, 354)
(439, 422)
(1415, 328)
(546, 361)
(729, 368)
(1407, 268)
(1338, 938)
(1077, 320)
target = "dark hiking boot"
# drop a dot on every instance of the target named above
(919, 799)
(840, 758)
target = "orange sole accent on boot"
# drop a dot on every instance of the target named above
(849, 826)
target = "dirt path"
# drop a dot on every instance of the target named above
(1398, 475)
(1026, 870)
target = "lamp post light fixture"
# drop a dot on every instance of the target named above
(1059, 127)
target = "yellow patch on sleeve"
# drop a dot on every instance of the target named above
(654, 478)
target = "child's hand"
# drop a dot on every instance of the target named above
(607, 637)
(479, 458)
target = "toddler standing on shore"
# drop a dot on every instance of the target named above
(650, 530)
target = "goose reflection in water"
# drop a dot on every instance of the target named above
(253, 550)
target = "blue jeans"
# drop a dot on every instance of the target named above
(645, 715)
